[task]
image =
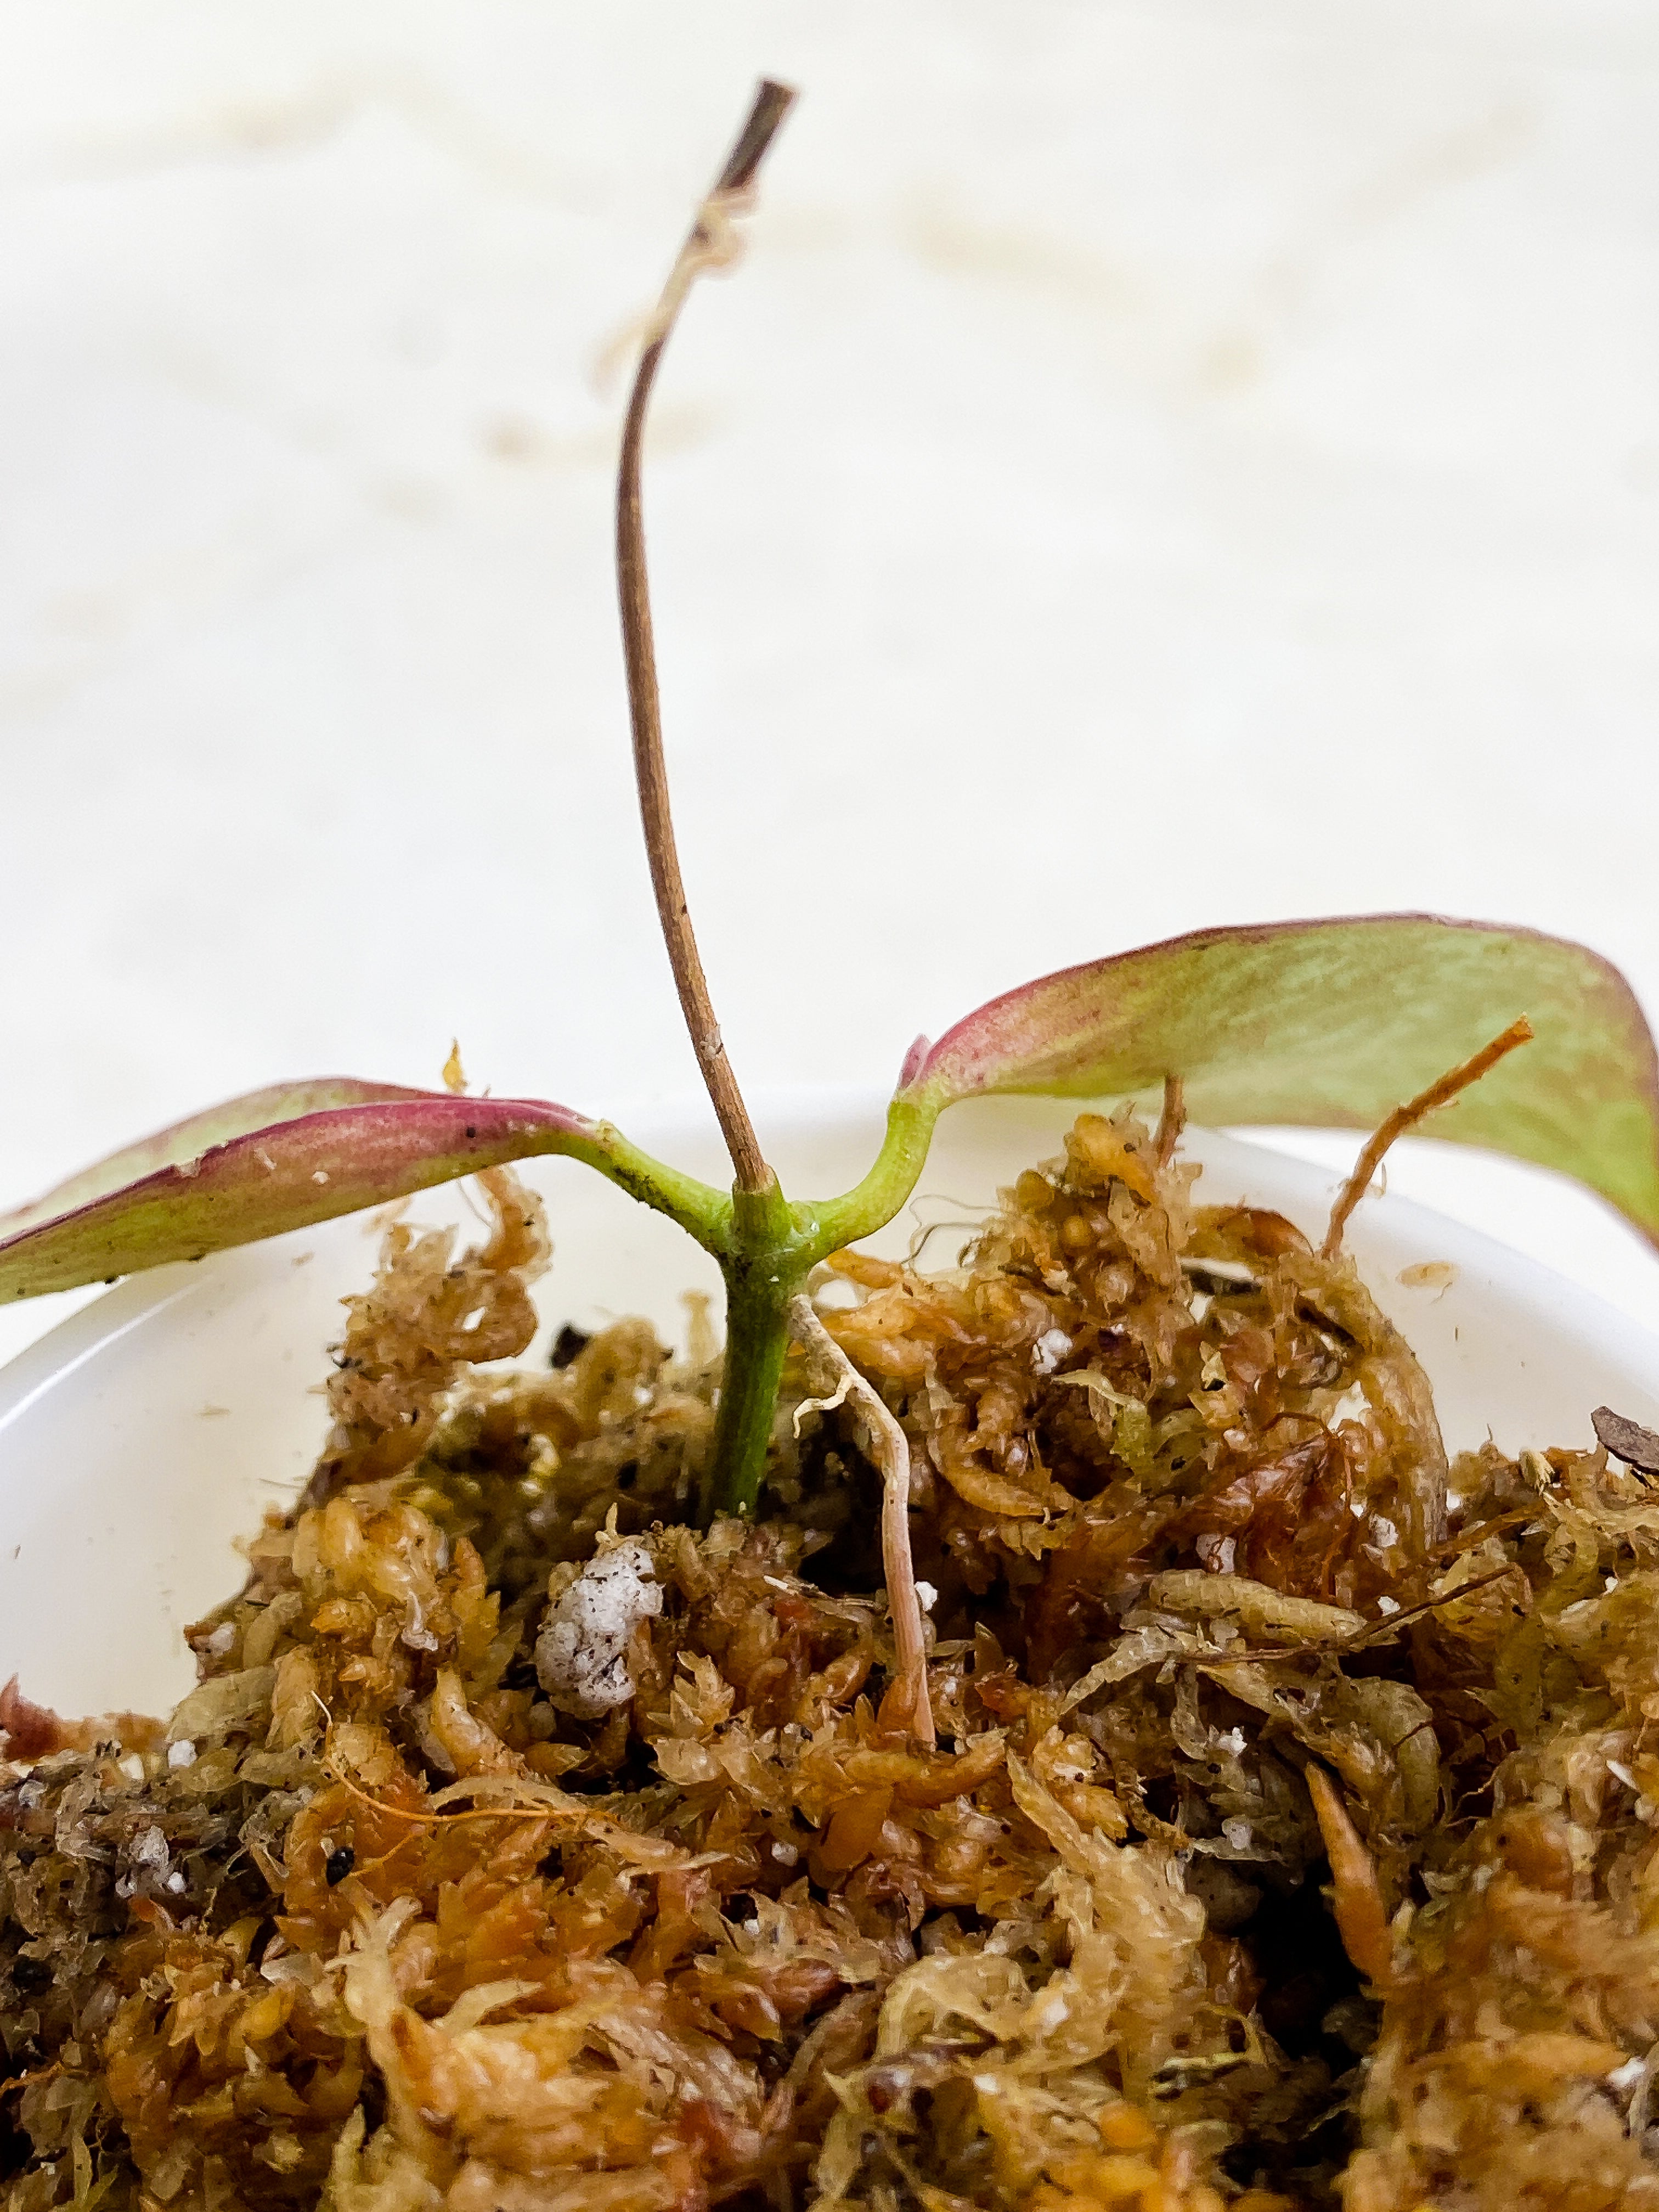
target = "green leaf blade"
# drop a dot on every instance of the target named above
(184, 1141)
(1333, 1024)
(289, 1158)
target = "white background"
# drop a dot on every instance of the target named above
(1160, 465)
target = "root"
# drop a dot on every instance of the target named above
(883, 1441)
(1360, 1918)
(1441, 1092)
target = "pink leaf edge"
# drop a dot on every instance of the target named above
(1333, 1022)
(287, 1174)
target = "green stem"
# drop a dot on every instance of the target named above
(756, 1339)
(769, 1250)
(763, 1269)
(703, 1212)
(871, 1203)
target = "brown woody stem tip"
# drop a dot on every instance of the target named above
(709, 244)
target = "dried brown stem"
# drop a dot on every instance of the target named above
(1171, 1120)
(710, 244)
(648, 1850)
(1439, 1093)
(884, 1442)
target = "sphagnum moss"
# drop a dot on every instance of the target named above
(1000, 1885)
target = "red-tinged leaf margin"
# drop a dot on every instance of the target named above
(323, 1160)
(1332, 1024)
(181, 1142)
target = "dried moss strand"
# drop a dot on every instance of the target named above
(595, 1826)
(708, 244)
(884, 1442)
(1378, 1632)
(391, 1812)
(1441, 1092)
(1361, 1918)
(789, 1912)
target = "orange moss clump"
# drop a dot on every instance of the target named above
(1288, 1843)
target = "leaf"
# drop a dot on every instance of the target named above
(1333, 1024)
(296, 1154)
(187, 1141)
(1627, 1439)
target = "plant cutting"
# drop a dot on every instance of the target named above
(1322, 1024)
(1170, 1483)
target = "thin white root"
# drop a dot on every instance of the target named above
(715, 245)
(822, 1404)
(881, 1438)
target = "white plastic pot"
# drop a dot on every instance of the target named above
(140, 1439)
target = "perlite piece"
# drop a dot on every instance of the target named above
(581, 1654)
